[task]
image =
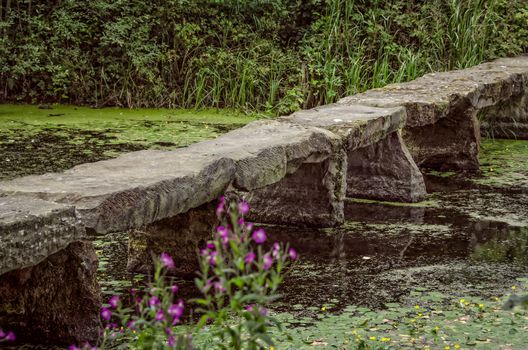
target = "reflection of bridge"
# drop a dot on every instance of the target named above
(295, 170)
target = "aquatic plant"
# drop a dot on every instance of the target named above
(238, 279)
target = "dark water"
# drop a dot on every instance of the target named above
(384, 250)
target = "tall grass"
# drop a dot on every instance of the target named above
(347, 47)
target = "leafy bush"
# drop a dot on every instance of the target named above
(273, 55)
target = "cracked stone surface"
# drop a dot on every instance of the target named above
(32, 229)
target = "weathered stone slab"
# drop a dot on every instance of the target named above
(143, 187)
(56, 301)
(379, 164)
(358, 125)
(439, 105)
(133, 190)
(33, 229)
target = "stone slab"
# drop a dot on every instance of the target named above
(32, 229)
(132, 190)
(358, 125)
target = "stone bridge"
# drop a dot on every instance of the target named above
(294, 170)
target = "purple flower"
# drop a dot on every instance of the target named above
(250, 257)
(249, 308)
(263, 311)
(176, 311)
(268, 261)
(133, 291)
(219, 288)
(241, 222)
(243, 208)
(175, 289)
(131, 324)
(10, 336)
(106, 314)
(2, 334)
(154, 301)
(220, 207)
(166, 260)
(292, 253)
(224, 234)
(114, 301)
(210, 246)
(275, 250)
(212, 257)
(73, 347)
(259, 236)
(160, 316)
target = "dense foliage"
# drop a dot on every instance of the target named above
(273, 55)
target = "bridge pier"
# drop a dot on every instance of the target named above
(56, 301)
(313, 195)
(384, 171)
(180, 236)
(379, 166)
(452, 143)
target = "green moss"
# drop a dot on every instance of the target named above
(504, 163)
(428, 203)
(34, 140)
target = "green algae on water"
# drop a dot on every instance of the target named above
(35, 140)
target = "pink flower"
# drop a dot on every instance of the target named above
(210, 246)
(268, 261)
(2, 333)
(275, 250)
(167, 261)
(176, 311)
(250, 257)
(154, 301)
(160, 316)
(249, 308)
(224, 234)
(219, 288)
(114, 301)
(175, 289)
(73, 347)
(243, 208)
(106, 314)
(212, 257)
(221, 206)
(292, 253)
(171, 341)
(259, 236)
(10, 336)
